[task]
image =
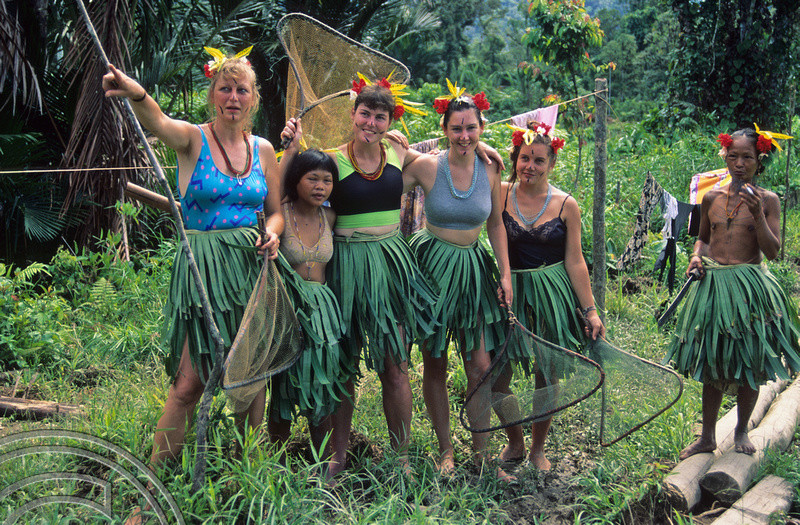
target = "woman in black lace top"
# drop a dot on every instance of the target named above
(543, 225)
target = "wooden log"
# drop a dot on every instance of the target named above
(730, 475)
(772, 494)
(151, 198)
(34, 409)
(682, 484)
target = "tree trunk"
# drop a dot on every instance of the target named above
(772, 494)
(34, 409)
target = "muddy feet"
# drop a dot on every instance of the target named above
(742, 443)
(539, 461)
(699, 446)
(446, 464)
(511, 454)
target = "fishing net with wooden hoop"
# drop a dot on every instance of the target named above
(614, 393)
(269, 339)
(324, 63)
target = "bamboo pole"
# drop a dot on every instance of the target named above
(219, 344)
(599, 205)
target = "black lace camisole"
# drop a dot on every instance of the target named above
(537, 246)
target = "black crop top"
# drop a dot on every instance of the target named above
(541, 245)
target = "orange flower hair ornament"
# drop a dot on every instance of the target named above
(398, 92)
(527, 136)
(218, 58)
(441, 103)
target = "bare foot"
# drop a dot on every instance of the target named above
(743, 444)
(698, 447)
(447, 464)
(335, 467)
(512, 454)
(505, 477)
(539, 461)
(405, 468)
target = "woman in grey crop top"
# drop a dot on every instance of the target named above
(461, 194)
(536, 216)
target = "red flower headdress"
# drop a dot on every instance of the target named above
(766, 139)
(398, 92)
(441, 103)
(527, 136)
(210, 69)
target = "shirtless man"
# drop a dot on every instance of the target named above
(739, 225)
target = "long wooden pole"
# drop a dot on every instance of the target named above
(786, 186)
(599, 203)
(219, 344)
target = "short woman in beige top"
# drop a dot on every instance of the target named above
(314, 385)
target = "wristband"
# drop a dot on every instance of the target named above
(585, 311)
(144, 95)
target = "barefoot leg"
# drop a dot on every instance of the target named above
(437, 401)
(746, 402)
(707, 442)
(515, 449)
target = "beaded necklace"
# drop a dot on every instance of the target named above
(309, 262)
(459, 194)
(734, 212)
(525, 220)
(236, 173)
(368, 176)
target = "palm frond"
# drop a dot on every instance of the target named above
(17, 70)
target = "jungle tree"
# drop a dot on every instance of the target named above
(738, 58)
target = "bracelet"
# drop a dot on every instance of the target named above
(139, 99)
(585, 311)
(695, 255)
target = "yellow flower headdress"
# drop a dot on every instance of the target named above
(527, 136)
(398, 92)
(210, 69)
(766, 139)
(455, 93)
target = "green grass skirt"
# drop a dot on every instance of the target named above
(735, 328)
(314, 385)
(467, 280)
(382, 293)
(545, 303)
(229, 275)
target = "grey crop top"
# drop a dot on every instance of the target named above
(447, 207)
(293, 249)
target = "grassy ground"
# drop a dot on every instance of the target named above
(85, 330)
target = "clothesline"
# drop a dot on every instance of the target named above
(133, 168)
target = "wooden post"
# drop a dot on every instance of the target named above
(599, 206)
(786, 183)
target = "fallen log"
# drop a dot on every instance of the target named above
(730, 475)
(151, 198)
(772, 494)
(34, 409)
(682, 484)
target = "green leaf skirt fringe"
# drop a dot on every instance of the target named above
(545, 303)
(229, 275)
(382, 293)
(736, 328)
(314, 385)
(467, 280)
